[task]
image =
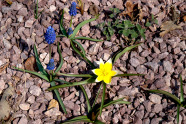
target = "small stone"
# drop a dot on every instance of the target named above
(69, 104)
(53, 112)
(156, 50)
(160, 83)
(53, 104)
(52, 8)
(7, 44)
(23, 12)
(163, 55)
(155, 121)
(23, 120)
(96, 2)
(152, 65)
(141, 69)
(157, 108)
(159, 40)
(85, 30)
(16, 6)
(168, 66)
(1, 15)
(2, 86)
(145, 53)
(43, 55)
(48, 96)
(24, 106)
(134, 62)
(106, 56)
(31, 99)
(176, 50)
(29, 23)
(35, 90)
(5, 9)
(94, 49)
(155, 98)
(19, 18)
(38, 121)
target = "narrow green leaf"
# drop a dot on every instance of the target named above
(165, 93)
(156, 21)
(134, 34)
(39, 65)
(61, 58)
(103, 97)
(61, 25)
(125, 32)
(88, 81)
(86, 97)
(128, 24)
(61, 81)
(98, 122)
(81, 47)
(79, 26)
(96, 96)
(87, 38)
(58, 97)
(74, 75)
(78, 119)
(34, 73)
(140, 30)
(122, 52)
(121, 75)
(152, 17)
(178, 113)
(181, 90)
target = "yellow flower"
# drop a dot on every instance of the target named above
(104, 72)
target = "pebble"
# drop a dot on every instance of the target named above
(106, 56)
(157, 108)
(5, 9)
(23, 120)
(168, 66)
(52, 8)
(29, 23)
(1, 16)
(94, 49)
(16, 6)
(35, 90)
(19, 18)
(163, 55)
(31, 99)
(152, 65)
(96, 2)
(7, 44)
(53, 112)
(85, 30)
(2, 86)
(159, 83)
(134, 62)
(23, 12)
(155, 98)
(24, 106)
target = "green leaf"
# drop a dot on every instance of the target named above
(140, 30)
(87, 38)
(74, 75)
(88, 81)
(61, 25)
(121, 75)
(120, 26)
(111, 31)
(96, 96)
(34, 73)
(78, 119)
(128, 24)
(178, 113)
(148, 24)
(86, 97)
(125, 33)
(81, 47)
(103, 97)
(39, 65)
(156, 21)
(61, 81)
(111, 15)
(58, 97)
(79, 26)
(117, 55)
(181, 90)
(165, 93)
(152, 17)
(61, 58)
(98, 122)
(76, 50)
(134, 34)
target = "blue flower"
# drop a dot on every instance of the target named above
(70, 31)
(73, 10)
(50, 65)
(50, 35)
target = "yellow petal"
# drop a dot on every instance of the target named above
(113, 73)
(97, 71)
(107, 79)
(101, 64)
(99, 78)
(108, 66)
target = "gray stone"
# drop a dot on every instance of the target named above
(156, 50)
(147, 105)
(94, 49)
(155, 121)
(24, 106)
(52, 8)
(137, 120)
(53, 112)
(141, 69)
(85, 30)
(1, 15)
(163, 55)
(2, 86)
(6, 9)
(48, 96)
(168, 66)
(29, 23)
(145, 53)
(19, 18)
(157, 108)
(152, 65)
(31, 99)
(23, 12)
(23, 120)
(35, 90)
(7, 44)
(16, 6)
(134, 62)
(140, 114)
(159, 83)
(155, 98)
(69, 104)
(38, 121)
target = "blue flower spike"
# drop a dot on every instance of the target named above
(50, 35)
(50, 65)
(70, 31)
(73, 10)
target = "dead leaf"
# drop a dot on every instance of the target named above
(81, 6)
(9, 2)
(30, 64)
(3, 67)
(53, 104)
(93, 9)
(132, 10)
(184, 18)
(168, 26)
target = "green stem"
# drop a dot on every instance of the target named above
(178, 113)
(103, 97)
(96, 96)
(58, 97)
(86, 97)
(50, 51)
(60, 36)
(74, 75)
(71, 21)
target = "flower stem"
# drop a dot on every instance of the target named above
(96, 96)
(71, 21)
(74, 75)
(50, 51)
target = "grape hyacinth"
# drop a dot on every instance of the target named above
(73, 10)
(70, 31)
(50, 35)
(50, 65)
